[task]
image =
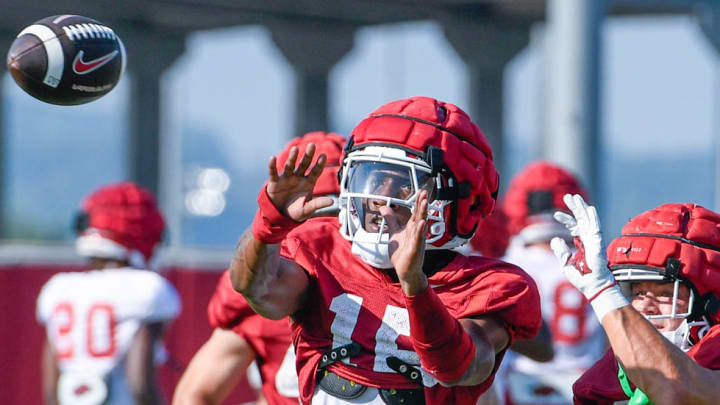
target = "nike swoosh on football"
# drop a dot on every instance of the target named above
(81, 67)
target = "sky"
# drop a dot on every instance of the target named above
(660, 103)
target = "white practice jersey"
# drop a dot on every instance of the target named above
(92, 317)
(578, 338)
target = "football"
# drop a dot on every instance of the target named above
(67, 59)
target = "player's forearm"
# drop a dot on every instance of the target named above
(656, 366)
(273, 288)
(254, 265)
(445, 348)
(50, 399)
(148, 396)
(205, 383)
(199, 398)
(484, 361)
(50, 376)
(538, 348)
(140, 364)
(191, 390)
(214, 370)
(414, 283)
(187, 394)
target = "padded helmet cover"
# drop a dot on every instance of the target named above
(541, 176)
(492, 237)
(416, 123)
(686, 232)
(329, 143)
(126, 214)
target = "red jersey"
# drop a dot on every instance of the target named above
(350, 301)
(269, 339)
(600, 385)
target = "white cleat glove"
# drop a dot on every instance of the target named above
(587, 270)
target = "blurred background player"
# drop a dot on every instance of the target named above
(491, 239)
(666, 343)
(241, 336)
(360, 296)
(534, 194)
(492, 236)
(103, 324)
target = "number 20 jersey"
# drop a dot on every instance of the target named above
(92, 317)
(349, 301)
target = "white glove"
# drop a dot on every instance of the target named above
(587, 270)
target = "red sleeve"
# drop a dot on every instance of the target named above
(507, 293)
(706, 352)
(289, 246)
(444, 347)
(227, 307)
(301, 244)
(599, 385)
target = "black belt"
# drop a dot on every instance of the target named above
(343, 388)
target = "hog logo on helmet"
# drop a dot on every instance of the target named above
(329, 143)
(119, 221)
(677, 243)
(403, 147)
(534, 195)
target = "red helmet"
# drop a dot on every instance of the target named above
(120, 221)
(673, 242)
(329, 143)
(436, 146)
(534, 195)
(492, 236)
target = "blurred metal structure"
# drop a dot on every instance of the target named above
(572, 107)
(315, 34)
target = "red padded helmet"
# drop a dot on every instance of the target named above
(673, 242)
(492, 236)
(534, 195)
(329, 143)
(118, 220)
(434, 140)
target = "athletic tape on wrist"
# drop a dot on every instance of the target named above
(270, 225)
(444, 347)
(608, 299)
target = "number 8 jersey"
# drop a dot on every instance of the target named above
(578, 339)
(92, 317)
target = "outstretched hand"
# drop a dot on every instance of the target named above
(407, 245)
(584, 226)
(587, 269)
(291, 190)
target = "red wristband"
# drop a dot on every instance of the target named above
(270, 225)
(444, 348)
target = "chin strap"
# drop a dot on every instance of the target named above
(706, 306)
